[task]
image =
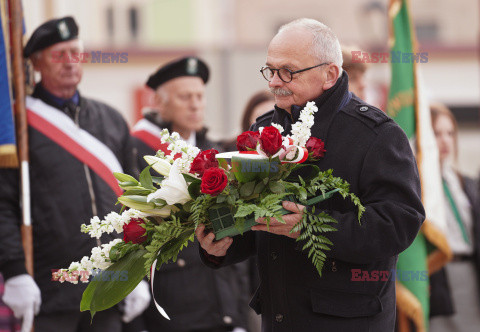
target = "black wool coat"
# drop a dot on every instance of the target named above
(369, 150)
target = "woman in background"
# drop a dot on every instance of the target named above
(455, 297)
(258, 104)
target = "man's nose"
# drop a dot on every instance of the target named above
(275, 81)
(196, 103)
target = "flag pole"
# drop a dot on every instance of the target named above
(22, 128)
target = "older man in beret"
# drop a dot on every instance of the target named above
(178, 104)
(74, 145)
(195, 297)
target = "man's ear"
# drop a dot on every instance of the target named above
(35, 59)
(160, 104)
(332, 75)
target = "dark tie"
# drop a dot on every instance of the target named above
(70, 108)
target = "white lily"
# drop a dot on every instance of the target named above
(158, 164)
(173, 189)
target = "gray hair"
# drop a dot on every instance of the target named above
(325, 44)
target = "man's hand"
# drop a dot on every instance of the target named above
(217, 248)
(279, 228)
(136, 302)
(22, 295)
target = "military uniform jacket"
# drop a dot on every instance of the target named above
(194, 296)
(64, 192)
(368, 149)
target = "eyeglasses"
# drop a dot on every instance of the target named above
(284, 74)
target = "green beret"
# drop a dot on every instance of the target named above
(189, 66)
(50, 33)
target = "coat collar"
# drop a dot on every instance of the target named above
(41, 93)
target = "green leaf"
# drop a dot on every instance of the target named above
(189, 178)
(245, 210)
(221, 198)
(231, 200)
(139, 187)
(104, 291)
(194, 188)
(136, 202)
(157, 179)
(124, 177)
(276, 187)
(146, 178)
(139, 192)
(170, 250)
(128, 184)
(247, 189)
(121, 249)
(260, 187)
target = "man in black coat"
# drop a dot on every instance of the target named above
(195, 297)
(364, 147)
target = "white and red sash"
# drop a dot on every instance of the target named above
(61, 129)
(150, 134)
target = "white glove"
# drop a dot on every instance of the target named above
(22, 295)
(136, 302)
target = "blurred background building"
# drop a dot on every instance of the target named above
(233, 35)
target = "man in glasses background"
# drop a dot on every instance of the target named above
(366, 148)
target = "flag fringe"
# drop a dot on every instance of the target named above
(440, 257)
(8, 156)
(409, 305)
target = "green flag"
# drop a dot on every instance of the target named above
(407, 106)
(400, 104)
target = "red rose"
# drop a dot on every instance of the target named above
(214, 180)
(316, 148)
(247, 140)
(270, 140)
(203, 161)
(134, 232)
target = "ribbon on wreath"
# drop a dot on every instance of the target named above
(152, 275)
(288, 153)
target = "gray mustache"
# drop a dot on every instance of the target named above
(280, 92)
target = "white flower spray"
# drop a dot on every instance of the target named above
(301, 129)
(178, 146)
(100, 256)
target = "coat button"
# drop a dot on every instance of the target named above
(181, 262)
(227, 320)
(274, 255)
(363, 108)
(279, 318)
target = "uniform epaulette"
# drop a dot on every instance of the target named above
(368, 114)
